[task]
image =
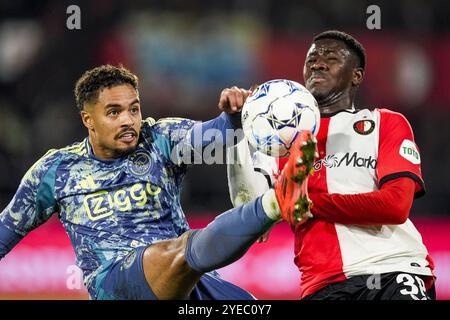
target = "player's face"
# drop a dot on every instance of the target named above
(328, 69)
(114, 122)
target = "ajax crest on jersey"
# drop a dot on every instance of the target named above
(274, 114)
(139, 163)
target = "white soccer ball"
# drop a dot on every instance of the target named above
(275, 113)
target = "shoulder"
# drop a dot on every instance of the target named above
(380, 112)
(385, 117)
(393, 126)
(168, 124)
(165, 126)
(53, 157)
(387, 114)
(72, 151)
(393, 119)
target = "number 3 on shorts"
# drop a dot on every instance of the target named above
(414, 285)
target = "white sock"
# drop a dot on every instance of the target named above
(270, 205)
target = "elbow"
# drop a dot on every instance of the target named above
(399, 214)
(399, 219)
(400, 200)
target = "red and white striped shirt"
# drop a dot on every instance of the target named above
(359, 153)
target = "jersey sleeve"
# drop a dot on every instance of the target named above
(171, 136)
(186, 141)
(388, 206)
(34, 201)
(398, 154)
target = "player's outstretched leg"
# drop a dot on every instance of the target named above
(230, 235)
(291, 185)
(173, 267)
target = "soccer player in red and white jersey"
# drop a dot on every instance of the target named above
(357, 241)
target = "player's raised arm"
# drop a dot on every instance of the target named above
(211, 136)
(193, 142)
(32, 205)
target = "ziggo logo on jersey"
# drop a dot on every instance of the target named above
(102, 203)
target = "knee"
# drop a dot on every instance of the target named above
(173, 252)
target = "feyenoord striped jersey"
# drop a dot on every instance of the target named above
(358, 152)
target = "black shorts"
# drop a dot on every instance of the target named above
(386, 286)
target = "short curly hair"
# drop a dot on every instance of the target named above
(353, 45)
(88, 87)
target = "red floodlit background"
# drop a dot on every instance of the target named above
(185, 53)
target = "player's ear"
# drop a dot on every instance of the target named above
(86, 117)
(358, 75)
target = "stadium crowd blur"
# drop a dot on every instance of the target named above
(185, 52)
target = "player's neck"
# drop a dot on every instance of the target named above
(100, 153)
(335, 103)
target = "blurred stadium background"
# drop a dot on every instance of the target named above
(185, 53)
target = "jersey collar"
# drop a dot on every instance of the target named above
(352, 109)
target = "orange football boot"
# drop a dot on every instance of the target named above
(291, 185)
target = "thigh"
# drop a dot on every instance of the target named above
(125, 279)
(167, 271)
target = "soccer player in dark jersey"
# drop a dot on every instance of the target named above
(117, 194)
(357, 241)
